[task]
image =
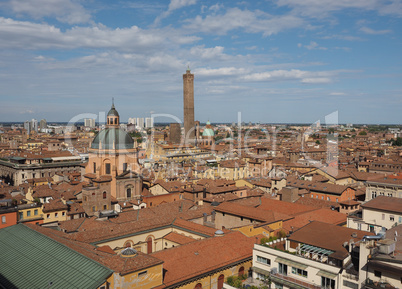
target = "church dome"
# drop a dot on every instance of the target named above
(208, 131)
(113, 111)
(112, 138)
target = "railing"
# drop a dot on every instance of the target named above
(289, 281)
(351, 276)
(382, 284)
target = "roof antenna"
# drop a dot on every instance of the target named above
(113, 102)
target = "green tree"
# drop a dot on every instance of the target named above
(363, 132)
(317, 142)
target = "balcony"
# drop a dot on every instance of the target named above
(368, 283)
(292, 282)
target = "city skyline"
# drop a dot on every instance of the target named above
(275, 62)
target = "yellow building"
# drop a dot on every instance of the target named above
(113, 154)
(54, 211)
(30, 213)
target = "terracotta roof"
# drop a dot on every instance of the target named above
(292, 209)
(194, 259)
(384, 203)
(178, 238)
(324, 215)
(318, 187)
(318, 203)
(327, 236)
(114, 262)
(54, 205)
(258, 214)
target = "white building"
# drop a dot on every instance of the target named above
(149, 122)
(379, 212)
(319, 255)
(89, 122)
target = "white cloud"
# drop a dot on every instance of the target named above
(68, 11)
(293, 74)
(316, 80)
(174, 5)
(209, 53)
(20, 34)
(216, 7)
(368, 30)
(249, 21)
(177, 4)
(223, 71)
(314, 45)
(337, 93)
(322, 8)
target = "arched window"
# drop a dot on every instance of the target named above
(221, 278)
(129, 192)
(241, 271)
(104, 195)
(149, 245)
(198, 286)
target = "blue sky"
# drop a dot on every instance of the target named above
(273, 61)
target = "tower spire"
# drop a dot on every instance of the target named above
(113, 102)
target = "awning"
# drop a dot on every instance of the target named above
(326, 274)
(259, 270)
(291, 263)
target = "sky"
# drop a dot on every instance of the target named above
(284, 61)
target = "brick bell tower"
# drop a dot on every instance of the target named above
(188, 102)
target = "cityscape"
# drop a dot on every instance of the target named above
(197, 144)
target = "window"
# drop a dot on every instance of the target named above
(36, 212)
(299, 272)
(128, 192)
(322, 197)
(283, 269)
(124, 167)
(104, 195)
(93, 209)
(359, 226)
(336, 199)
(105, 207)
(48, 216)
(107, 169)
(391, 218)
(327, 198)
(94, 168)
(373, 195)
(142, 274)
(312, 195)
(56, 215)
(21, 215)
(327, 283)
(28, 213)
(3, 219)
(377, 273)
(63, 214)
(264, 260)
(316, 196)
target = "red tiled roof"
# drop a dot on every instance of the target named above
(178, 238)
(193, 259)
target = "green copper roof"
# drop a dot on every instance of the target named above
(208, 132)
(112, 138)
(113, 111)
(29, 259)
